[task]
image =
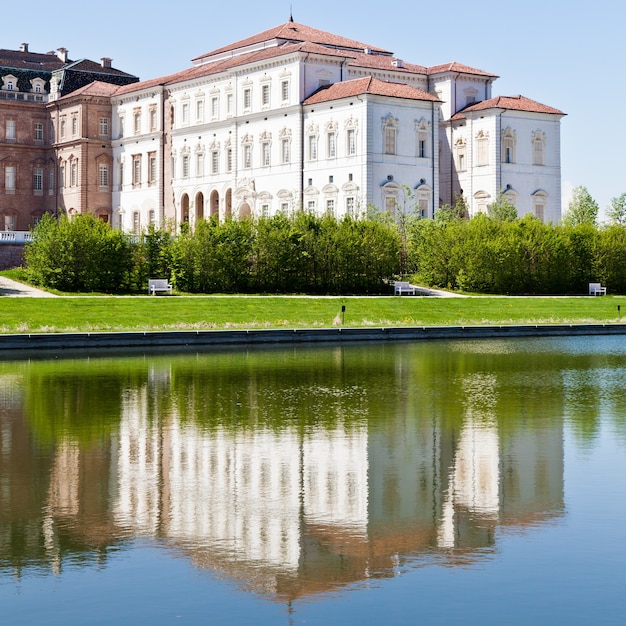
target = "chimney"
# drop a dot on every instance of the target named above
(397, 62)
(106, 62)
(62, 54)
(24, 47)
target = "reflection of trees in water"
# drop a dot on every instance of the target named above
(326, 465)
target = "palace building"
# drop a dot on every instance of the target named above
(291, 118)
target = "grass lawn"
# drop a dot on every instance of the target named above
(85, 313)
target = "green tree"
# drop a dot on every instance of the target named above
(616, 211)
(458, 210)
(502, 210)
(582, 208)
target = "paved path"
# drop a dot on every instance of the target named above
(14, 289)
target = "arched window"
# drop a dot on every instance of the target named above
(481, 201)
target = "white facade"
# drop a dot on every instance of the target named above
(298, 118)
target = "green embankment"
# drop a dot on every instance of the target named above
(82, 314)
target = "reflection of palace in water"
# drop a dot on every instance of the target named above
(288, 511)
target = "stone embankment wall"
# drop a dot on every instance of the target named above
(11, 255)
(24, 345)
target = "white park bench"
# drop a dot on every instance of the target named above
(159, 285)
(402, 287)
(596, 289)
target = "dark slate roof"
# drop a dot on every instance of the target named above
(33, 61)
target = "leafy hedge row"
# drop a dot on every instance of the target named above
(310, 254)
(522, 256)
(280, 254)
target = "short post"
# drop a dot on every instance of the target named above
(343, 313)
(618, 311)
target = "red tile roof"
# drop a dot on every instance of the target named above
(458, 68)
(510, 103)
(97, 88)
(294, 32)
(368, 85)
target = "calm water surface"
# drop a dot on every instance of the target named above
(434, 483)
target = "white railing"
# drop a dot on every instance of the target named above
(15, 236)
(21, 95)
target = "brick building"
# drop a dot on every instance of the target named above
(36, 95)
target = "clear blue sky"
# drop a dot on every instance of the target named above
(566, 55)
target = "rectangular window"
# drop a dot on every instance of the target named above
(312, 148)
(51, 182)
(284, 208)
(421, 149)
(136, 170)
(460, 157)
(539, 211)
(200, 111)
(247, 155)
(62, 176)
(229, 104)
(74, 126)
(121, 120)
(538, 152)
(332, 146)
(63, 128)
(330, 206)
(214, 108)
(137, 122)
(39, 132)
(136, 223)
(38, 180)
(121, 173)
(284, 91)
(215, 162)
(74, 174)
(265, 151)
(265, 95)
(103, 176)
(9, 179)
(104, 127)
(10, 130)
(390, 140)
(482, 152)
(351, 142)
(311, 205)
(185, 113)
(286, 152)
(200, 164)
(265, 210)
(229, 160)
(153, 118)
(423, 206)
(350, 206)
(152, 168)
(247, 98)
(185, 166)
